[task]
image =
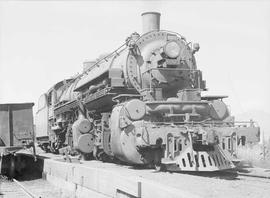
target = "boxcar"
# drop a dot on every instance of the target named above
(16, 132)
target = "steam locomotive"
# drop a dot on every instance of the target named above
(142, 105)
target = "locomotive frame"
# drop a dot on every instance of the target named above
(142, 105)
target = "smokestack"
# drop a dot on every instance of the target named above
(151, 21)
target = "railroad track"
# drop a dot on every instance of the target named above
(13, 188)
(36, 188)
(263, 174)
(25, 189)
(255, 176)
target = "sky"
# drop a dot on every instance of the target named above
(43, 42)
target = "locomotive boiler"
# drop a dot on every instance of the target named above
(141, 105)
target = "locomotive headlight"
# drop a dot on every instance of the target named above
(172, 49)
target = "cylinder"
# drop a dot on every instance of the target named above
(151, 21)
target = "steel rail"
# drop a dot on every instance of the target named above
(25, 190)
(248, 174)
(253, 175)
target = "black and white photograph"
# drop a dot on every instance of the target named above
(134, 99)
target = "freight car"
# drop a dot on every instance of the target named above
(142, 105)
(16, 133)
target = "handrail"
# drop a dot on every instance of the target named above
(252, 123)
(172, 69)
(102, 59)
(115, 52)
